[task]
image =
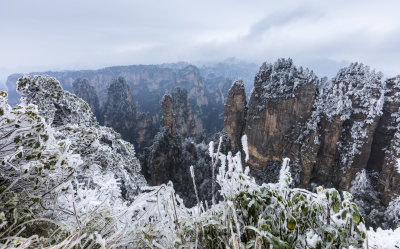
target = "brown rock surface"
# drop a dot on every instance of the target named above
(386, 147)
(168, 119)
(278, 109)
(235, 113)
(182, 110)
(331, 130)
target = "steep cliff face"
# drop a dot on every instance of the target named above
(386, 145)
(333, 131)
(279, 107)
(120, 112)
(183, 114)
(148, 83)
(168, 119)
(85, 91)
(347, 112)
(235, 113)
(170, 156)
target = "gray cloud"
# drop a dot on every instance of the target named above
(71, 34)
(281, 18)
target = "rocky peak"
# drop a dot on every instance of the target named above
(355, 90)
(346, 115)
(333, 131)
(168, 119)
(278, 109)
(119, 92)
(182, 110)
(281, 79)
(386, 146)
(119, 110)
(85, 91)
(57, 106)
(235, 113)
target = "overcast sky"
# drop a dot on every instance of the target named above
(76, 34)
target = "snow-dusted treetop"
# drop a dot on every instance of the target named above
(282, 78)
(355, 89)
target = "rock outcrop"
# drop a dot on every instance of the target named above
(168, 119)
(386, 146)
(170, 156)
(120, 113)
(148, 83)
(333, 131)
(349, 107)
(278, 110)
(235, 113)
(183, 114)
(85, 91)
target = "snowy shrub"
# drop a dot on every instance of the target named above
(367, 199)
(35, 168)
(63, 176)
(248, 216)
(393, 212)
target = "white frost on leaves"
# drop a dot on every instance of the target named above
(99, 147)
(245, 147)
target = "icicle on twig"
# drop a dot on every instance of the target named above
(214, 164)
(194, 185)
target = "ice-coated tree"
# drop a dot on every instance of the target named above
(367, 199)
(393, 212)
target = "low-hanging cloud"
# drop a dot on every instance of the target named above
(323, 35)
